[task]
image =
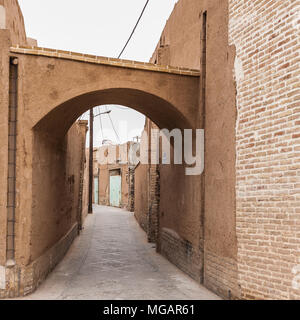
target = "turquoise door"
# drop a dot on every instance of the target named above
(96, 190)
(115, 191)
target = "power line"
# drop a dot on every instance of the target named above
(140, 17)
(133, 31)
(101, 127)
(112, 124)
(122, 108)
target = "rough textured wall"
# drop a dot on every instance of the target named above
(122, 152)
(124, 186)
(142, 180)
(180, 40)
(11, 19)
(180, 207)
(130, 205)
(14, 21)
(83, 199)
(103, 185)
(154, 201)
(4, 88)
(141, 195)
(147, 188)
(220, 118)
(267, 68)
(55, 211)
(55, 218)
(214, 231)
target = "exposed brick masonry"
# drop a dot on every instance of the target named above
(181, 253)
(20, 282)
(267, 69)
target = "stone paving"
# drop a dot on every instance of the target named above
(112, 260)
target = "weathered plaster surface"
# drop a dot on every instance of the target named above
(2, 17)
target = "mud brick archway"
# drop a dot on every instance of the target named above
(51, 89)
(63, 85)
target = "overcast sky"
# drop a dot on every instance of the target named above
(100, 27)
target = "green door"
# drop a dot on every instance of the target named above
(115, 191)
(96, 190)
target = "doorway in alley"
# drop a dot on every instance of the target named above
(96, 190)
(115, 188)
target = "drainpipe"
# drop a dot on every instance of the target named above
(91, 162)
(203, 107)
(12, 151)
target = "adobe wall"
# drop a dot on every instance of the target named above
(251, 221)
(236, 227)
(70, 90)
(122, 152)
(147, 188)
(83, 198)
(12, 30)
(104, 184)
(55, 216)
(13, 21)
(55, 212)
(197, 224)
(181, 235)
(141, 185)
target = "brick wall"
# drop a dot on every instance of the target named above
(130, 205)
(23, 281)
(220, 275)
(154, 197)
(267, 71)
(147, 189)
(181, 253)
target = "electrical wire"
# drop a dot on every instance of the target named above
(126, 44)
(140, 17)
(122, 108)
(112, 124)
(101, 126)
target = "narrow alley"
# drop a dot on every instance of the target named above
(112, 260)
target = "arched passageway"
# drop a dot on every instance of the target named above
(54, 89)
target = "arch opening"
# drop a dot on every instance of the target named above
(57, 208)
(158, 110)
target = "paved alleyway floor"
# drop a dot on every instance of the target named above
(112, 260)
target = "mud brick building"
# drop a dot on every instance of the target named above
(230, 67)
(113, 180)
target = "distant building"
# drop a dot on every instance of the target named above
(113, 174)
